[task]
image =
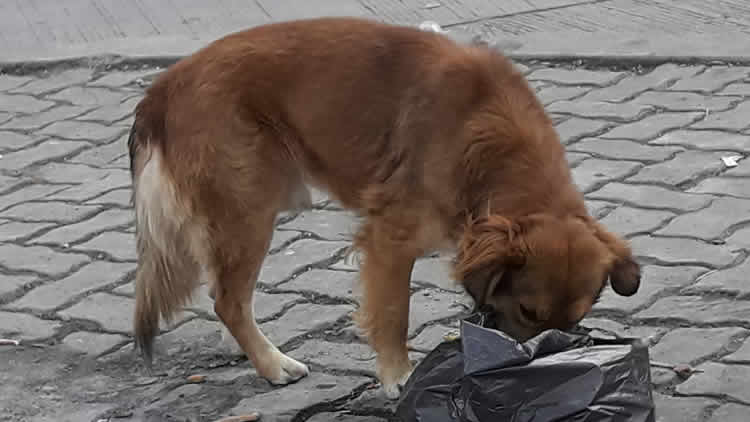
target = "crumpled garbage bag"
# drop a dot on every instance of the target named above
(486, 376)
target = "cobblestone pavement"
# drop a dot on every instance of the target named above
(646, 146)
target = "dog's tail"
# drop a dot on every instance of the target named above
(167, 272)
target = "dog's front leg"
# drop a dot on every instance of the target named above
(384, 313)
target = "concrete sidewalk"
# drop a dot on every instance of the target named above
(33, 30)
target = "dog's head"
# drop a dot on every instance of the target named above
(542, 272)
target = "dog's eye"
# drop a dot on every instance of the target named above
(529, 314)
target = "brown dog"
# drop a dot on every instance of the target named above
(434, 143)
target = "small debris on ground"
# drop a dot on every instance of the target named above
(255, 416)
(9, 342)
(196, 379)
(731, 160)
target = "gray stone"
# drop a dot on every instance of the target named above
(54, 294)
(682, 409)
(553, 93)
(119, 79)
(194, 335)
(655, 281)
(87, 96)
(8, 82)
(297, 257)
(742, 170)
(74, 232)
(22, 104)
(85, 191)
(600, 110)
(698, 310)
(302, 319)
(574, 76)
(47, 150)
(627, 221)
(734, 119)
(683, 251)
(56, 81)
(685, 101)
(598, 208)
(436, 272)
(662, 376)
(58, 212)
(92, 344)
(713, 79)
(632, 85)
(328, 225)
(576, 158)
(336, 284)
(354, 357)
(711, 140)
(343, 417)
(11, 283)
(724, 185)
(716, 378)
(730, 412)
(281, 405)
(113, 313)
(686, 166)
(26, 327)
(624, 150)
(15, 229)
(593, 173)
(689, 345)
(12, 140)
(731, 280)
(40, 259)
(647, 196)
(431, 337)
(102, 156)
(8, 182)
(81, 131)
(117, 245)
(112, 112)
(28, 193)
(710, 222)
(611, 329)
(652, 126)
(740, 89)
(741, 355)
(37, 120)
(69, 173)
(428, 306)
(121, 197)
(740, 238)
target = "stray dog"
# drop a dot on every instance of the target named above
(435, 144)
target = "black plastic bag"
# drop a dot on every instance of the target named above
(486, 376)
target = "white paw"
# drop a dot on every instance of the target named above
(287, 370)
(392, 388)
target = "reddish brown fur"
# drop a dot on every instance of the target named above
(434, 143)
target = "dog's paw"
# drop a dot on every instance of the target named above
(286, 370)
(393, 387)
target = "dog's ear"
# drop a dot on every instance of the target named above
(625, 274)
(487, 249)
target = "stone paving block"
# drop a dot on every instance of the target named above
(5, 117)
(685, 167)
(598, 208)
(685, 101)
(731, 280)
(82, 131)
(88, 96)
(593, 173)
(576, 158)
(282, 404)
(13, 141)
(113, 313)
(28, 193)
(683, 251)
(697, 310)
(553, 93)
(436, 272)
(112, 180)
(724, 185)
(56, 81)
(431, 337)
(343, 417)
(280, 240)
(11, 283)
(730, 412)
(710, 222)
(22, 104)
(112, 112)
(74, 232)
(632, 85)
(92, 344)
(296, 257)
(600, 110)
(47, 150)
(563, 76)
(52, 295)
(328, 225)
(340, 356)
(120, 79)
(742, 170)
(740, 238)
(8, 182)
(627, 221)
(741, 355)
(611, 329)
(576, 128)
(428, 306)
(117, 245)
(710, 140)
(690, 345)
(14, 230)
(121, 197)
(38, 258)
(196, 335)
(717, 378)
(59, 212)
(20, 326)
(713, 79)
(11, 81)
(739, 89)
(681, 409)
(302, 319)
(37, 120)
(104, 155)
(647, 196)
(336, 284)
(69, 173)
(655, 281)
(734, 119)
(652, 126)
(624, 150)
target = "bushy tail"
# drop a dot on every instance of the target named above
(167, 273)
